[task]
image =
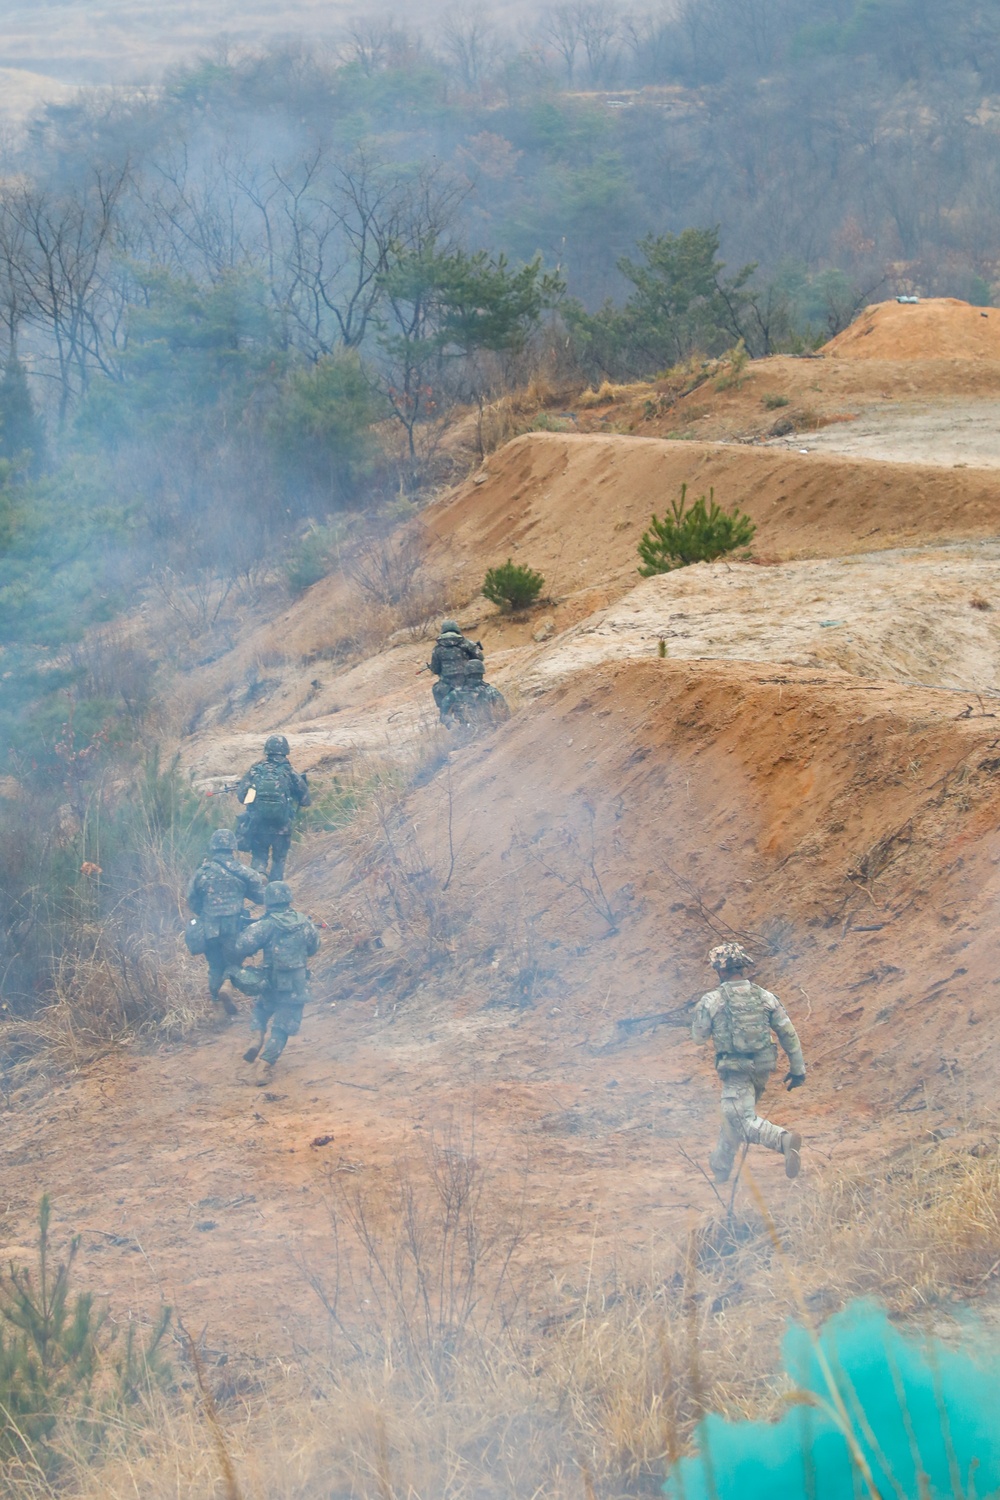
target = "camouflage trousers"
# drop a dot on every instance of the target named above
(220, 954)
(269, 842)
(281, 1008)
(740, 1120)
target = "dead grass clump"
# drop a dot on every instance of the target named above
(453, 1364)
(922, 1234)
(608, 392)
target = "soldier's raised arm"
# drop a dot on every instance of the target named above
(254, 883)
(253, 938)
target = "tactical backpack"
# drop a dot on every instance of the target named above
(271, 803)
(290, 949)
(453, 657)
(745, 1023)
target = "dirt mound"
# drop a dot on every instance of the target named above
(937, 328)
(593, 850)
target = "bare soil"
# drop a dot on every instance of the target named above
(847, 830)
(777, 776)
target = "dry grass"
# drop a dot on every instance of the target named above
(453, 1367)
(608, 393)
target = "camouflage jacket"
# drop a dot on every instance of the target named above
(287, 938)
(295, 794)
(219, 888)
(743, 1003)
(454, 655)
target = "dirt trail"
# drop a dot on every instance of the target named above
(849, 829)
(955, 434)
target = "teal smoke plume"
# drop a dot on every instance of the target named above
(877, 1413)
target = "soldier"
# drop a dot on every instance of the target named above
(271, 793)
(287, 938)
(739, 1017)
(456, 662)
(219, 887)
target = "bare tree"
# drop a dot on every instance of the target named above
(67, 243)
(560, 27)
(470, 41)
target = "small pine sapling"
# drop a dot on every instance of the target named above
(697, 533)
(512, 586)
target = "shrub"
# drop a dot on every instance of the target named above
(310, 559)
(512, 585)
(697, 533)
(57, 1359)
(773, 400)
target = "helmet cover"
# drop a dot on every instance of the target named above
(278, 893)
(729, 956)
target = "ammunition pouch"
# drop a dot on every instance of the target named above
(195, 937)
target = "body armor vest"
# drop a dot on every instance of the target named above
(743, 1026)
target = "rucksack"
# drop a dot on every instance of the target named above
(453, 655)
(272, 801)
(290, 949)
(746, 1020)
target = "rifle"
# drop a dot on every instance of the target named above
(681, 1016)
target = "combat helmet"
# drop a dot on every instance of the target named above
(222, 839)
(275, 744)
(278, 893)
(729, 956)
(450, 627)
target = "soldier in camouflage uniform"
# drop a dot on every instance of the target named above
(456, 662)
(219, 887)
(287, 939)
(739, 1017)
(271, 793)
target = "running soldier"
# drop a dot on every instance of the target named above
(287, 939)
(271, 794)
(739, 1017)
(219, 888)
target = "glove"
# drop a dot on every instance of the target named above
(794, 1081)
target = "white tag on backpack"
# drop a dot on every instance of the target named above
(251, 796)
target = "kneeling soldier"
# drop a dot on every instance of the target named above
(739, 1017)
(218, 889)
(287, 939)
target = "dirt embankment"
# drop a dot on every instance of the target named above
(933, 328)
(574, 508)
(602, 842)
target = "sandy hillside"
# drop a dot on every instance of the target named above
(846, 828)
(574, 507)
(776, 776)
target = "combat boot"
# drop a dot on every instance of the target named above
(253, 1052)
(791, 1147)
